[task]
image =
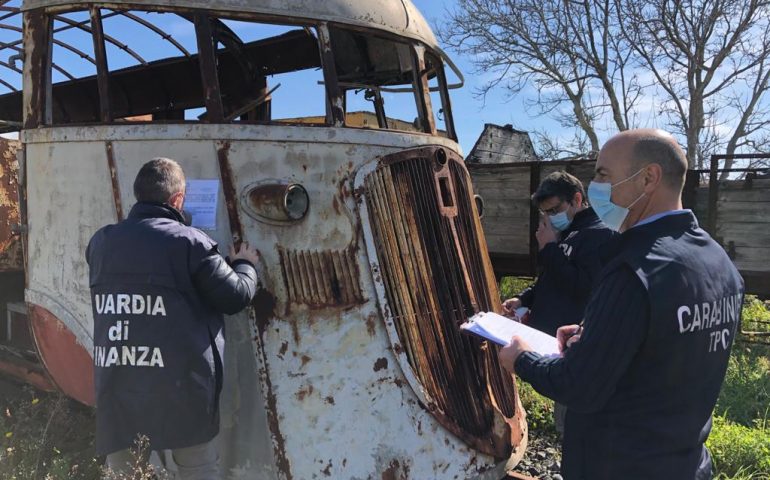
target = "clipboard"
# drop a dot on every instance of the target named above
(499, 329)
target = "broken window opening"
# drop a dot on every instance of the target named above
(377, 77)
(439, 96)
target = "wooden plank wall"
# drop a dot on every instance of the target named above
(505, 189)
(743, 221)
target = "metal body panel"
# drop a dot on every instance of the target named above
(313, 388)
(399, 17)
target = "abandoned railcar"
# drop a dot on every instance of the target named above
(350, 363)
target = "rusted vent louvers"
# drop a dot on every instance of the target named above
(319, 279)
(426, 236)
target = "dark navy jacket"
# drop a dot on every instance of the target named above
(159, 289)
(641, 383)
(568, 270)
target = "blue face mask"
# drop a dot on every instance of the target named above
(600, 194)
(560, 221)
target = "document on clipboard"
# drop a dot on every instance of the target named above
(499, 329)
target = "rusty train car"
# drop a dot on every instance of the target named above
(350, 363)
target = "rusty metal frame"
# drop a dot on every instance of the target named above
(422, 90)
(102, 67)
(335, 114)
(403, 352)
(208, 67)
(37, 35)
(446, 101)
(111, 164)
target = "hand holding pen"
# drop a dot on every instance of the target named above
(568, 335)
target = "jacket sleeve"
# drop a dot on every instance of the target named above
(577, 273)
(527, 296)
(615, 327)
(224, 288)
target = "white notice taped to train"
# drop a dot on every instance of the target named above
(500, 330)
(200, 201)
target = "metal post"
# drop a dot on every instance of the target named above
(534, 217)
(37, 69)
(102, 67)
(208, 66)
(422, 91)
(335, 114)
(711, 224)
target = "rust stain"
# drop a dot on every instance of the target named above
(304, 392)
(263, 305)
(380, 364)
(396, 471)
(279, 444)
(329, 278)
(282, 351)
(114, 180)
(304, 359)
(228, 187)
(371, 322)
(11, 258)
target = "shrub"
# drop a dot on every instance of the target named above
(512, 286)
(739, 451)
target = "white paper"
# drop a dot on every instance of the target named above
(200, 201)
(500, 330)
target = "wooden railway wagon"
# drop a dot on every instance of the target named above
(734, 211)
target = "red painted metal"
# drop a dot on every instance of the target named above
(26, 373)
(67, 362)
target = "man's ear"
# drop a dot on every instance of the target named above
(177, 200)
(653, 176)
(578, 200)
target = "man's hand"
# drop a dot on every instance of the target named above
(247, 253)
(509, 353)
(567, 335)
(510, 306)
(545, 234)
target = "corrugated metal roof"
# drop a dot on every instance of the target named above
(396, 16)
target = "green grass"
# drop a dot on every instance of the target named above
(46, 437)
(740, 439)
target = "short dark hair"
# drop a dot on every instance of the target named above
(157, 180)
(561, 185)
(665, 153)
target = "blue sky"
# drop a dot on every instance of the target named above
(472, 113)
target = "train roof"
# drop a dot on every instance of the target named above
(398, 17)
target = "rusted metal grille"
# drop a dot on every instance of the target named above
(319, 279)
(436, 273)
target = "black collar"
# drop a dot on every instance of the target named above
(144, 210)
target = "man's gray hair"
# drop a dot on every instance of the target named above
(158, 180)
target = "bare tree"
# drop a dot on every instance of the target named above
(571, 51)
(710, 57)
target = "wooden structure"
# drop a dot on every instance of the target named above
(504, 144)
(734, 211)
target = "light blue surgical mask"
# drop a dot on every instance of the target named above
(600, 194)
(560, 221)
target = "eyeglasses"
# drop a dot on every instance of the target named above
(554, 210)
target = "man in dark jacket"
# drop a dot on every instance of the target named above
(570, 238)
(643, 378)
(159, 289)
